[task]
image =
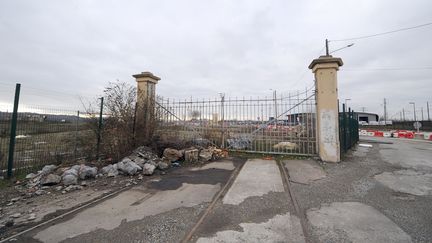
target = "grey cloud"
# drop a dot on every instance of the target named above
(201, 48)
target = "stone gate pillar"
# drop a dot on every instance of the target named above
(325, 69)
(145, 108)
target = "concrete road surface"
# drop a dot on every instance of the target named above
(380, 193)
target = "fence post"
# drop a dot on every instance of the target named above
(223, 120)
(344, 129)
(99, 129)
(146, 96)
(76, 135)
(325, 69)
(13, 131)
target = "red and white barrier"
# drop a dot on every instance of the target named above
(396, 134)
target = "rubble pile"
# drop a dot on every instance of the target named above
(141, 161)
(54, 180)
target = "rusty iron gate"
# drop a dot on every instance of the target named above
(283, 124)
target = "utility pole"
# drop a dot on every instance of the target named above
(275, 105)
(422, 113)
(363, 109)
(327, 48)
(385, 110)
(427, 103)
(403, 112)
(415, 117)
(400, 113)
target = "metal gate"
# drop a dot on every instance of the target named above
(283, 124)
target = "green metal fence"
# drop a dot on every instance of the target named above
(32, 136)
(348, 129)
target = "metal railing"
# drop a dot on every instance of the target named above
(277, 125)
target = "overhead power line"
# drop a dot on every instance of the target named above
(384, 33)
(388, 69)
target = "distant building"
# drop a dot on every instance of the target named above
(367, 117)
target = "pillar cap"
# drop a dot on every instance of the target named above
(326, 60)
(146, 75)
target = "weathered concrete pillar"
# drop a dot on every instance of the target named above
(146, 96)
(325, 69)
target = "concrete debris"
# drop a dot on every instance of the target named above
(163, 165)
(145, 153)
(50, 180)
(285, 146)
(31, 176)
(108, 169)
(16, 215)
(239, 143)
(86, 172)
(48, 169)
(172, 154)
(32, 216)
(73, 188)
(71, 171)
(218, 153)
(191, 155)
(39, 192)
(206, 154)
(138, 160)
(69, 179)
(128, 167)
(202, 142)
(76, 167)
(148, 169)
(143, 159)
(16, 199)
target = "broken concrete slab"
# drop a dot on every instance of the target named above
(408, 155)
(191, 155)
(353, 222)
(281, 228)
(134, 204)
(223, 165)
(304, 171)
(50, 180)
(407, 181)
(205, 154)
(256, 178)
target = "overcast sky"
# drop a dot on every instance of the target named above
(201, 48)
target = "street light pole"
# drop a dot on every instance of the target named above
(327, 48)
(328, 52)
(385, 110)
(427, 103)
(422, 114)
(346, 102)
(415, 117)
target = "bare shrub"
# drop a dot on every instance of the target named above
(118, 127)
(117, 133)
